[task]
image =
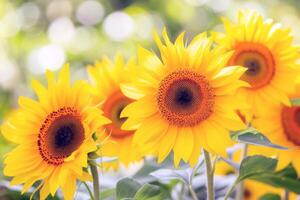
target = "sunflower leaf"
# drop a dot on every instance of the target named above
(285, 178)
(252, 136)
(256, 165)
(108, 193)
(288, 171)
(295, 102)
(127, 188)
(262, 169)
(170, 174)
(148, 192)
(270, 196)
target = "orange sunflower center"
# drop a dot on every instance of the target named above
(259, 61)
(112, 108)
(185, 98)
(60, 135)
(291, 123)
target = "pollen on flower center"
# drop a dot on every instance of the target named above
(258, 60)
(291, 123)
(185, 98)
(112, 109)
(60, 135)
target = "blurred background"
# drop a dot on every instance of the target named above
(36, 35)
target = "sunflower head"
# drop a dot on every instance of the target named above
(267, 51)
(281, 124)
(106, 78)
(251, 191)
(184, 99)
(53, 136)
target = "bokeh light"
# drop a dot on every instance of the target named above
(118, 26)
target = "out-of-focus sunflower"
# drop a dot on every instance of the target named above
(281, 124)
(254, 190)
(184, 100)
(267, 51)
(107, 77)
(53, 136)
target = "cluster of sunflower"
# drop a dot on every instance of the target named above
(184, 100)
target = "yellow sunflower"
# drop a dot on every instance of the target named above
(281, 124)
(184, 99)
(53, 136)
(267, 51)
(255, 190)
(107, 77)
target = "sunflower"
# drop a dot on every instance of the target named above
(281, 124)
(107, 77)
(251, 191)
(53, 136)
(268, 53)
(184, 100)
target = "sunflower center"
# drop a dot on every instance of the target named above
(185, 98)
(63, 136)
(253, 66)
(291, 123)
(112, 108)
(60, 135)
(258, 60)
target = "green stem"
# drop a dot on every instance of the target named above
(286, 195)
(89, 190)
(193, 193)
(230, 190)
(240, 187)
(209, 176)
(96, 184)
(181, 191)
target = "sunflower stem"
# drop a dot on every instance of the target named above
(209, 176)
(230, 190)
(240, 187)
(286, 195)
(96, 184)
(181, 191)
(193, 193)
(89, 190)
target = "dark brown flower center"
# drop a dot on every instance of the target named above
(60, 135)
(185, 98)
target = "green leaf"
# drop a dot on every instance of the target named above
(148, 192)
(262, 169)
(127, 188)
(252, 136)
(270, 196)
(295, 102)
(288, 171)
(108, 193)
(256, 165)
(276, 180)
